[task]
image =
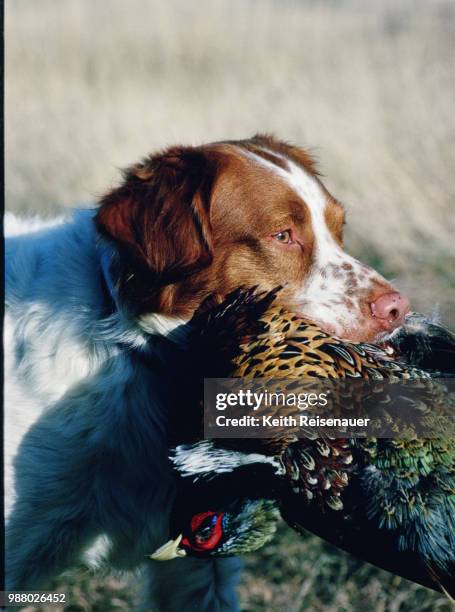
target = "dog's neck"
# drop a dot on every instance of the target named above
(174, 329)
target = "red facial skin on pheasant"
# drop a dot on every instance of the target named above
(198, 543)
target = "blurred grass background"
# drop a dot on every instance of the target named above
(368, 87)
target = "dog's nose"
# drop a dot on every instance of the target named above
(390, 309)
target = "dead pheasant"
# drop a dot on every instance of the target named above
(391, 502)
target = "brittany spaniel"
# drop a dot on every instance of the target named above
(96, 311)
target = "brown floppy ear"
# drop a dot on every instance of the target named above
(159, 218)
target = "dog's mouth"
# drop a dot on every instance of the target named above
(391, 342)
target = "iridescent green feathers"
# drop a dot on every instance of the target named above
(392, 502)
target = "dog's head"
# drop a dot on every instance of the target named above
(194, 221)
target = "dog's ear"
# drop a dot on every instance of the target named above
(159, 216)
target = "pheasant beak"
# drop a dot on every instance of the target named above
(169, 551)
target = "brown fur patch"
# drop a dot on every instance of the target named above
(196, 221)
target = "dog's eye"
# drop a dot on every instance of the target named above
(283, 237)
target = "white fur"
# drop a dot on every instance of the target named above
(15, 226)
(323, 293)
(171, 327)
(87, 468)
(97, 552)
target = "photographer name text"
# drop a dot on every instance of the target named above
(302, 420)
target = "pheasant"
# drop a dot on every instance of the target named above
(391, 502)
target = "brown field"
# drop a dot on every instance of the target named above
(368, 87)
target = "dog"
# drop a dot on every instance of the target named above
(96, 307)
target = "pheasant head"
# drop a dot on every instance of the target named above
(223, 529)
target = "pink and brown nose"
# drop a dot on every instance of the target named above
(390, 309)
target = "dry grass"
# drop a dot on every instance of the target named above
(368, 86)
